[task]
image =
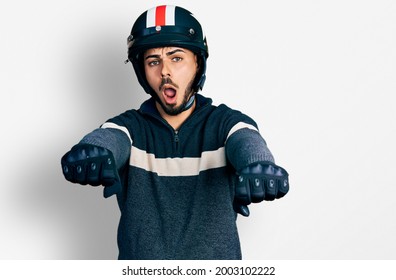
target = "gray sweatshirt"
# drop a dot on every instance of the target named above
(177, 195)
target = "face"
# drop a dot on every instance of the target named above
(170, 71)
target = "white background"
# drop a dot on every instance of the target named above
(317, 76)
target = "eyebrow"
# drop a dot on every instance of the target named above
(167, 54)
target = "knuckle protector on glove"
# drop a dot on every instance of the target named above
(109, 172)
(263, 181)
(281, 178)
(89, 164)
(242, 190)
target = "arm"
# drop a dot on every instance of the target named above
(258, 177)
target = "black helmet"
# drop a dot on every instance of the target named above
(164, 26)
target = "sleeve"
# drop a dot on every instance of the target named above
(113, 137)
(244, 143)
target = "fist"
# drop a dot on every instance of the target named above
(258, 182)
(89, 164)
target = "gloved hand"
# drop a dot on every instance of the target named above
(90, 164)
(258, 182)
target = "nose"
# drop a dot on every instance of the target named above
(165, 70)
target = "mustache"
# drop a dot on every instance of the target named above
(167, 81)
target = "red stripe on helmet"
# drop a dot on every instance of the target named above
(160, 16)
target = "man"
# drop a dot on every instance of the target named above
(181, 168)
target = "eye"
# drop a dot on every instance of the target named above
(177, 59)
(153, 63)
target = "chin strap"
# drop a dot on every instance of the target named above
(189, 103)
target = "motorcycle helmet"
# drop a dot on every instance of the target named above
(163, 26)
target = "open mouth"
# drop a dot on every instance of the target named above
(169, 95)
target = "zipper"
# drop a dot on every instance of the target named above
(176, 140)
(176, 137)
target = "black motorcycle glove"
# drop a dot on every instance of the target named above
(258, 182)
(93, 165)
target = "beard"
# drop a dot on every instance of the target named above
(173, 109)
